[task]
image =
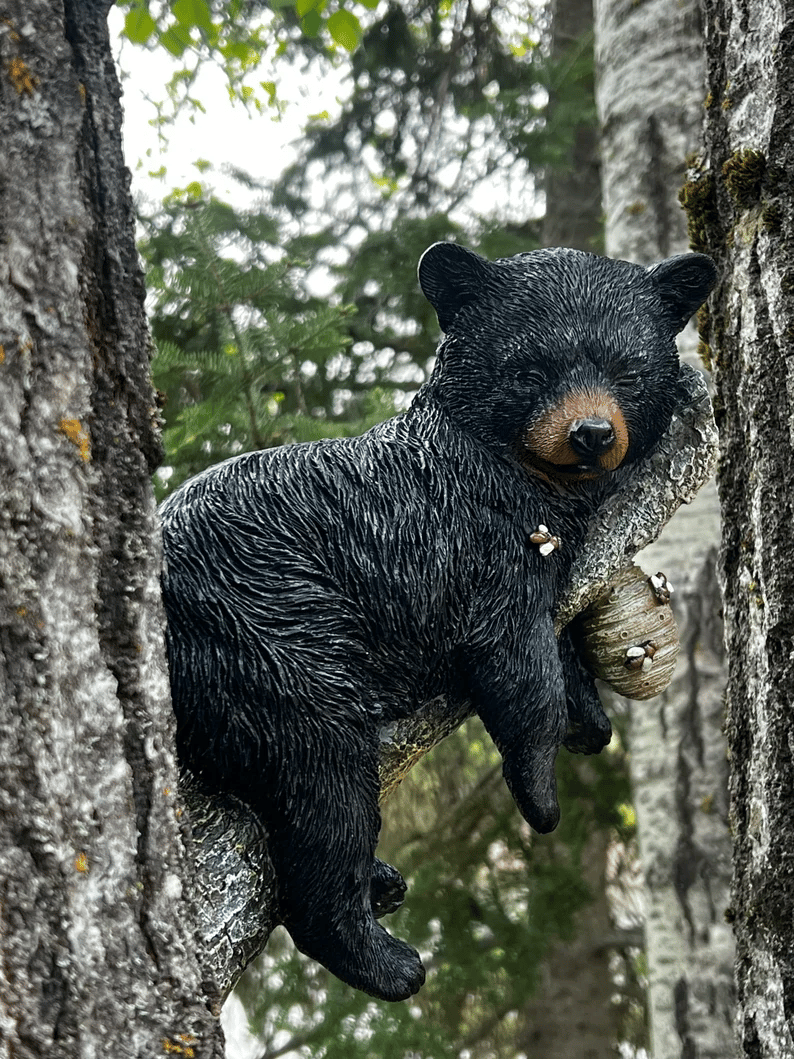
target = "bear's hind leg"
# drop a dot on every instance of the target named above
(322, 839)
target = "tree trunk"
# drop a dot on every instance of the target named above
(741, 210)
(98, 953)
(573, 187)
(573, 1015)
(650, 78)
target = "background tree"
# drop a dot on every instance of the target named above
(572, 177)
(588, 997)
(97, 940)
(650, 90)
(740, 206)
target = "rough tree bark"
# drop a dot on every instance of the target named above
(740, 203)
(98, 953)
(650, 91)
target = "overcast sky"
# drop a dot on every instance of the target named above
(226, 134)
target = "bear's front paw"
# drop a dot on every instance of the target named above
(387, 889)
(590, 737)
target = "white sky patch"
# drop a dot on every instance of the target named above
(228, 134)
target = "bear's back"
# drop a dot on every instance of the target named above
(367, 547)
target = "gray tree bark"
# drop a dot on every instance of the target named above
(98, 952)
(740, 203)
(650, 91)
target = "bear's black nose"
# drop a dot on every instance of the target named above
(591, 438)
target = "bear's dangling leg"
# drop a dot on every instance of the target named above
(528, 769)
(322, 833)
(519, 693)
(589, 728)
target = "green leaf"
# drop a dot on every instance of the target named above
(139, 26)
(192, 13)
(176, 39)
(311, 24)
(345, 29)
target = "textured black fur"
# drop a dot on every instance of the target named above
(316, 592)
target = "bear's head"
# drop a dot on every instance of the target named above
(564, 360)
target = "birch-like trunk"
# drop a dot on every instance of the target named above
(650, 91)
(98, 953)
(741, 211)
(574, 216)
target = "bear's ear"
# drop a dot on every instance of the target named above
(450, 277)
(684, 282)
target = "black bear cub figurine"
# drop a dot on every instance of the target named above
(317, 592)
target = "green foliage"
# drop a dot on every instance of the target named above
(443, 95)
(244, 357)
(239, 36)
(442, 134)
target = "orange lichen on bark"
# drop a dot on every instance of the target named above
(172, 1047)
(21, 77)
(75, 433)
